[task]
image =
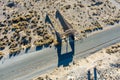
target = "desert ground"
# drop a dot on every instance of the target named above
(28, 24)
(25, 24)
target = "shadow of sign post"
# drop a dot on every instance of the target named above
(64, 58)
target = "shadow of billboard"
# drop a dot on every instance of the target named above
(63, 58)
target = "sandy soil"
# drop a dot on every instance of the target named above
(23, 25)
(86, 18)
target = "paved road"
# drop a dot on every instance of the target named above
(26, 66)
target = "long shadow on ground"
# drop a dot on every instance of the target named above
(63, 58)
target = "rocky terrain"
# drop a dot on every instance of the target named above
(31, 23)
(102, 65)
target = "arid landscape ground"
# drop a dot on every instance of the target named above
(30, 23)
(34, 24)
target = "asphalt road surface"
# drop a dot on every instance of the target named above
(30, 65)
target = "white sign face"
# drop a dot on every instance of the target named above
(70, 78)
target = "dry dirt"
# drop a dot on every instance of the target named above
(31, 23)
